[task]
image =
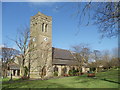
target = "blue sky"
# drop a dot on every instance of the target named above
(64, 25)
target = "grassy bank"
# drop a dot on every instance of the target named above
(107, 79)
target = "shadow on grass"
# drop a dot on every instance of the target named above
(38, 86)
(85, 79)
(104, 79)
(110, 81)
(12, 81)
(16, 84)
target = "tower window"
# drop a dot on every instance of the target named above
(46, 27)
(43, 27)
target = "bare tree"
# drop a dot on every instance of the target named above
(22, 41)
(97, 58)
(26, 47)
(103, 14)
(115, 62)
(81, 55)
(7, 55)
(106, 59)
(97, 54)
(109, 60)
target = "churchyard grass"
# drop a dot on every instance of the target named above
(108, 79)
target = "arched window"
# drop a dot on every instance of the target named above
(46, 27)
(43, 27)
(43, 71)
(64, 70)
(73, 68)
(55, 69)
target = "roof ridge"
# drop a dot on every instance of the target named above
(61, 49)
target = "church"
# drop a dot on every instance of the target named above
(45, 60)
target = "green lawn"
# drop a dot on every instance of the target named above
(107, 79)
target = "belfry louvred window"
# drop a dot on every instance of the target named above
(43, 27)
(46, 27)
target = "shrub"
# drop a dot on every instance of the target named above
(77, 74)
(24, 78)
(70, 73)
(74, 72)
(81, 73)
(91, 74)
(66, 75)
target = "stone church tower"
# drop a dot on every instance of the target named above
(41, 46)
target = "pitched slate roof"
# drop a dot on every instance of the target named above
(13, 66)
(62, 54)
(63, 57)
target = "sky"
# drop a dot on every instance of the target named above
(65, 30)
